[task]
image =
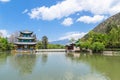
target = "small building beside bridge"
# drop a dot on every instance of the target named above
(72, 48)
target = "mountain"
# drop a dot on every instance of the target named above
(105, 26)
(61, 42)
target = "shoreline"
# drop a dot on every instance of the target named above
(105, 52)
(50, 50)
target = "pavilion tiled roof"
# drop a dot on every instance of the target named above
(26, 32)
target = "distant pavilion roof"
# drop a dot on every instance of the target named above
(26, 32)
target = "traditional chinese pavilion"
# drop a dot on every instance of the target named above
(26, 41)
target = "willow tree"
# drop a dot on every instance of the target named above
(44, 42)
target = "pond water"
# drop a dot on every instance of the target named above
(58, 66)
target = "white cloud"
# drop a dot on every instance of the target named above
(96, 6)
(67, 22)
(62, 9)
(89, 19)
(68, 7)
(4, 33)
(74, 35)
(101, 6)
(115, 9)
(25, 11)
(4, 0)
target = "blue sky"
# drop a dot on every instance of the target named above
(57, 19)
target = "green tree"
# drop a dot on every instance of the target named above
(55, 46)
(97, 47)
(5, 45)
(44, 42)
(114, 36)
(39, 45)
(110, 39)
(85, 45)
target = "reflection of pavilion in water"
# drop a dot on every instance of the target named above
(24, 62)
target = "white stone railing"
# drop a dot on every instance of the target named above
(32, 43)
(26, 37)
(50, 50)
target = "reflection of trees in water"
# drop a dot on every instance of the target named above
(74, 57)
(3, 57)
(109, 65)
(24, 62)
(44, 58)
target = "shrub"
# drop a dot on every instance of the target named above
(97, 47)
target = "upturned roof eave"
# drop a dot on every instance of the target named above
(26, 32)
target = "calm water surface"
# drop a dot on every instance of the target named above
(58, 66)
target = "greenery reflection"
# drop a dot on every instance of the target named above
(107, 65)
(44, 58)
(3, 57)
